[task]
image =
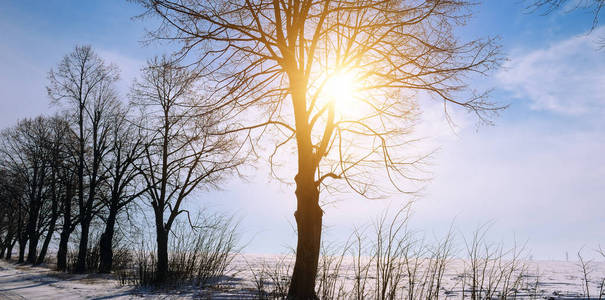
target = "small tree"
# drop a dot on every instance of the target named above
(181, 151)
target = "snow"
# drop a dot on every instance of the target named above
(557, 280)
(25, 282)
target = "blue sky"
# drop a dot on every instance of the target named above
(537, 175)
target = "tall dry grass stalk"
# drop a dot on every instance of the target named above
(490, 270)
(200, 254)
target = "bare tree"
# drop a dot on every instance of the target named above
(124, 188)
(57, 145)
(586, 268)
(37, 156)
(10, 201)
(69, 185)
(85, 82)
(6, 230)
(181, 151)
(338, 78)
(24, 146)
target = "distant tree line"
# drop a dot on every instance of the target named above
(101, 156)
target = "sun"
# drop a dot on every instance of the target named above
(342, 89)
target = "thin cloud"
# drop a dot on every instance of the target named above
(566, 78)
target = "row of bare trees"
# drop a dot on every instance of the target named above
(102, 156)
(264, 64)
(35, 183)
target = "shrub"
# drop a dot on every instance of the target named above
(200, 254)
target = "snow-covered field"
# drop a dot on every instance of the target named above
(25, 282)
(557, 280)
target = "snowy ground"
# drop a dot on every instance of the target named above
(25, 282)
(557, 280)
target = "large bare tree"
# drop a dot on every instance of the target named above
(85, 83)
(339, 79)
(181, 153)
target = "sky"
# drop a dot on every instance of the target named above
(535, 176)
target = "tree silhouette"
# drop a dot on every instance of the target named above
(25, 150)
(13, 190)
(180, 151)
(58, 191)
(123, 179)
(271, 65)
(85, 83)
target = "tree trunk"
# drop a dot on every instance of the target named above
(3, 244)
(8, 242)
(105, 244)
(64, 240)
(62, 252)
(308, 214)
(308, 222)
(22, 243)
(162, 266)
(9, 250)
(66, 230)
(49, 235)
(83, 247)
(32, 233)
(32, 249)
(80, 265)
(21, 236)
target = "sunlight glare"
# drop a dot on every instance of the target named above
(341, 89)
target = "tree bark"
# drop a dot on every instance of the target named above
(65, 230)
(62, 252)
(49, 235)
(33, 239)
(21, 236)
(32, 232)
(80, 266)
(308, 214)
(22, 244)
(162, 266)
(105, 244)
(9, 250)
(83, 247)
(4, 243)
(308, 222)
(87, 217)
